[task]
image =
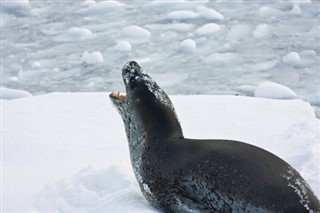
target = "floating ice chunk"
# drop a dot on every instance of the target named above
(269, 12)
(163, 5)
(292, 58)
(188, 45)
(179, 27)
(300, 2)
(262, 31)
(21, 7)
(92, 58)
(9, 94)
(221, 58)
(274, 91)
(181, 15)
(88, 3)
(208, 29)
(123, 46)
(101, 8)
(35, 65)
(209, 13)
(12, 6)
(75, 34)
(295, 10)
(134, 34)
(239, 31)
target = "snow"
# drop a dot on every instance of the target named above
(7, 93)
(135, 34)
(274, 90)
(208, 29)
(92, 58)
(67, 152)
(292, 58)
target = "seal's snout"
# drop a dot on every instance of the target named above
(131, 67)
(131, 70)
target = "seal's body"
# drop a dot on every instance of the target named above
(176, 174)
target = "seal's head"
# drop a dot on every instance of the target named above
(149, 104)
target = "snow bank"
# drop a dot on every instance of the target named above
(75, 34)
(92, 58)
(71, 152)
(134, 34)
(9, 94)
(274, 90)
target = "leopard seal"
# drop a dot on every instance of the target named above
(178, 174)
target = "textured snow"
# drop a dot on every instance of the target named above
(67, 152)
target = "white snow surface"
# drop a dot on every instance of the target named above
(67, 152)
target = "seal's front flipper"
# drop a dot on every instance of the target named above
(184, 203)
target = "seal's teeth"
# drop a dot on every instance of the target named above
(118, 95)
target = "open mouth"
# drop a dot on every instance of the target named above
(118, 95)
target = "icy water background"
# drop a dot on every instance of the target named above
(195, 47)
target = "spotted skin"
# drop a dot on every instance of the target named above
(177, 174)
